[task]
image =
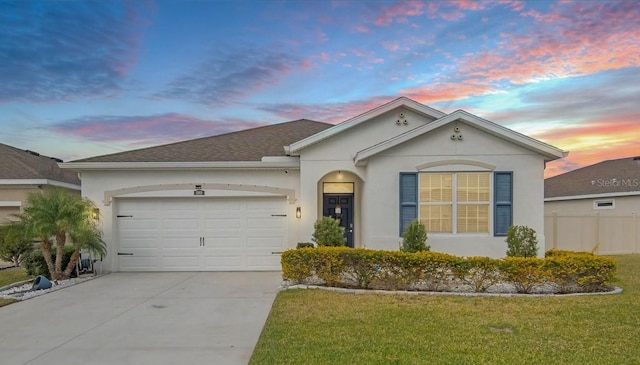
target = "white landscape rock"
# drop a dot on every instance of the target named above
(25, 291)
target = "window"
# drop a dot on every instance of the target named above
(455, 202)
(604, 204)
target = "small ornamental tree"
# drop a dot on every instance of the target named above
(522, 242)
(328, 232)
(414, 238)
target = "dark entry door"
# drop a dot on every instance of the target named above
(340, 207)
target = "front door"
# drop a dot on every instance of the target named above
(340, 207)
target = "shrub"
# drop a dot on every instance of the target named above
(478, 272)
(522, 242)
(305, 245)
(362, 265)
(328, 232)
(557, 253)
(14, 243)
(414, 238)
(35, 264)
(297, 264)
(328, 264)
(571, 273)
(525, 273)
(399, 270)
(437, 269)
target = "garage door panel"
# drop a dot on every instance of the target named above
(222, 223)
(180, 224)
(228, 262)
(276, 222)
(138, 224)
(142, 242)
(272, 243)
(166, 233)
(222, 206)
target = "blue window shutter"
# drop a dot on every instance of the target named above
(408, 198)
(502, 202)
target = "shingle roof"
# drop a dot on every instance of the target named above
(246, 145)
(27, 165)
(611, 176)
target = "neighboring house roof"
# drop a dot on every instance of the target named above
(607, 178)
(550, 152)
(27, 167)
(350, 123)
(246, 145)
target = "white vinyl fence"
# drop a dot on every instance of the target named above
(604, 234)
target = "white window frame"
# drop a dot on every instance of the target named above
(607, 204)
(454, 203)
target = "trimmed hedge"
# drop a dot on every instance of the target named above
(563, 272)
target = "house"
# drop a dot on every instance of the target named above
(235, 201)
(595, 208)
(23, 172)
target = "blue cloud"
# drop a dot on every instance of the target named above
(52, 51)
(229, 75)
(147, 130)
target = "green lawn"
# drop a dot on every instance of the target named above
(319, 327)
(10, 276)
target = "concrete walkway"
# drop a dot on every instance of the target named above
(142, 318)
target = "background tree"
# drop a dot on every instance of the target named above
(15, 243)
(54, 216)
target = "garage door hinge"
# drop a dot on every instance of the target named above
(125, 254)
(124, 216)
(278, 215)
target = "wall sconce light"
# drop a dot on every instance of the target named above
(298, 212)
(95, 214)
(339, 174)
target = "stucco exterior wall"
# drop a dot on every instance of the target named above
(10, 195)
(378, 208)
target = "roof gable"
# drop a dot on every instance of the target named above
(17, 164)
(606, 177)
(246, 145)
(413, 105)
(550, 152)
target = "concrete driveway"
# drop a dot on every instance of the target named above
(142, 318)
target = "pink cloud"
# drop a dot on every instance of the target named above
(610, 137)
(145, 130)
(439, 92)
(362, 29)
(577, 39)
(398, 12)
(329, 113)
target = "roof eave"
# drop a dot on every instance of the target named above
(295, 147)
(217, 165)
(36, 182)
(592, 196)
(549, 152)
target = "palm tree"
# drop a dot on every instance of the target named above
(55, 215)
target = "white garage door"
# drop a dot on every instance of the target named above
(200, 234)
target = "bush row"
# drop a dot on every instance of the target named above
(560, 272)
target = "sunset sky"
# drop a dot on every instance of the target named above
(80, 79)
